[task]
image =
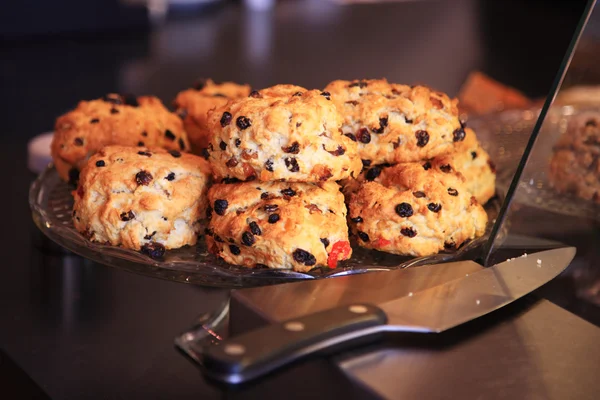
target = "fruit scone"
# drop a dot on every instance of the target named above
(142, 199)
(415, 209)
(282, 225)
(575, 166)
(394, 123)
(113, 120)
(285, 132)
(193, 105)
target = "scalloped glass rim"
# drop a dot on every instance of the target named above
(50, 201)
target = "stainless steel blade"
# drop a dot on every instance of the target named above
(445, 306)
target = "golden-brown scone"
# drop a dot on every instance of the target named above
(474, 163)
(142, 199)
(193, 105)
(281, 225)
(113, 120)
(415, 209)
(575, 165)
(276, 135)
(395, 123)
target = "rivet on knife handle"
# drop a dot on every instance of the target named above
(263, 350)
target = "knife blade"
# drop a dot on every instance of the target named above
(256, 353)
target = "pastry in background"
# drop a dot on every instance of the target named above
(474, 163)
(142, 199)
(281, 225)
(575, 166)
(193, 104)
(481, 94)
(579, 96)
(415, 209)
(394, 123)
(281, 133)
(113, 120)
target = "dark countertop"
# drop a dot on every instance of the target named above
(80, 330)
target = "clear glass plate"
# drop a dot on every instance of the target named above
(51, 203)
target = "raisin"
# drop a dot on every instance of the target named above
(357, 219)
(408, 232)
(73, 176)
(100, 163)
(149, 237)
(434, 207)
(153, 250)
(363, 236)
(360, 84)
(297, 94)
(363, 135)
(222, 145)
(449, 245)
(243, 122)
(288, 192)
(94, 120)
(422, 138)
(175, 153)
(220, 206)
(325, 242)
(232, 162)
(269, 165)
(255, 229)
(114, 111)
(218, 239)
(127, 216)
(234, 250)
(340, 151)
(144, 134)
(225, 119)
(273, 218)
(351, 136)
(271, 207)
(292, 164)
(383, 122)
(404, 210)
(459, 135)
(78, 141)
(352, 102)
(170, 135)
(419, 194)
(248, 238)
(170, 177)
(181, 144)
(427, 165)
(327, 95)
(130, 100)
(238, 142)
(366, 163)
(373, 173)
(452, 192)
(304, 257)
(141, 144)
(205, 154)
(255, 94)
(229, 180)
(446, 168)
(408, 120)
(145, 153)
(143, 178)
(473, 155)
(265, 195)
(294, 148)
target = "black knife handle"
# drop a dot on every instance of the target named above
(263, 350)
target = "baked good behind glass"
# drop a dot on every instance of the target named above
(283, 225)
(194, 103)
(113, 120)
(143, 199)
(414, 209)
(394, 123)
(285, 132)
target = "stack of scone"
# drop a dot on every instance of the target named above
(277, 155)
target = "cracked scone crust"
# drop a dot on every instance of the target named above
(414, 211)
(575, 164)
(395, 123)
(284, 132)
(113, 120)
(193, 105)
(140, 198)
(474, 163)
(282, 225)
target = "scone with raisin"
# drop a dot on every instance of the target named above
(113, 120)
(142, 199)
(282, 225)
(395, 123)
(575, 165)
(415, 209)
(284, 132)
(193, 104)
(474, 163)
